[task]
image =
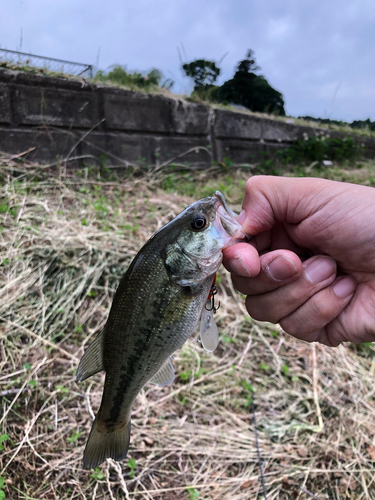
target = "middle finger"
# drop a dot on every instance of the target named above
(318, 272)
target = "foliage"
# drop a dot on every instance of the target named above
(3, 438)
(250, 90)
(119, 75)
(193, 493)
(319, 148)
(248, 64)
(132, 464)
(74, 437)
(97, 474)
(2, 492)
(363, 124)
(326, 121)
(204, 73)
(356, 124)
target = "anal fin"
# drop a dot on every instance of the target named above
(92, 361)
(165, 375)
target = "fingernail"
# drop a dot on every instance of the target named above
(241, 218)
(344, 287)
(238, 267)
(281, 268)
(319, 270)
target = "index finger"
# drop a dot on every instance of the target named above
(271, 199)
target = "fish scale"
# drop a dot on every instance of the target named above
(155, 310)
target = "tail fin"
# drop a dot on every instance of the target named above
(105, 443)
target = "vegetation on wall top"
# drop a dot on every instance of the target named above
(356, 124)
(134, 80)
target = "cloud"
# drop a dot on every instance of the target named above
(305, 49)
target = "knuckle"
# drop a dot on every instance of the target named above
(291, 326)
(320, 310)
(241, 284)
(259, 310)
(296, 293)
(314, 315)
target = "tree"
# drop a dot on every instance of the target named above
(204, 73)
(363, 124)
(248, 64)
(251, 90)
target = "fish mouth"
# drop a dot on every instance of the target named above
(221, 203)
(228, 221)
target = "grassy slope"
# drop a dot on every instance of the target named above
(65, 243)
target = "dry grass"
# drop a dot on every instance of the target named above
(65, 243)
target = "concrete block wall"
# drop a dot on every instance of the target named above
(60, 117)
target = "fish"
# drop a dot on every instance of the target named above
(156, 308)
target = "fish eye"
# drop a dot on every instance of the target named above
(198, 223)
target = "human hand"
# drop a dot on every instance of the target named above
(311, 263)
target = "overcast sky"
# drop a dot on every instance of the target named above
(319, 54)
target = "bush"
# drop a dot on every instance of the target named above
(120, 75)
(320, 148)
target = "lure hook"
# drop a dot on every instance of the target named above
(211, 297)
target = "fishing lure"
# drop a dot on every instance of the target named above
(208, 328)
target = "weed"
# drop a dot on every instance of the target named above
(132, 463)
(285, 369)
(2, 485)
(62, 389)
(134, 81)
(186, 375)
(3, 438)
(193, 493)
(97, 474)
(248, 386)
(74, 437)
(319, 148)
(228, 340)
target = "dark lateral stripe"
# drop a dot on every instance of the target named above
(129, 373)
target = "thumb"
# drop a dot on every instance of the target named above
(271, 199)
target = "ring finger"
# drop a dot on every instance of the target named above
(318, 273)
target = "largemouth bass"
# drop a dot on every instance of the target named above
(155, 310)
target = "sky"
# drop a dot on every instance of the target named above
(319, 54)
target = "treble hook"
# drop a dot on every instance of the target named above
(211, 297)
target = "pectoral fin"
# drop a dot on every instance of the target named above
(208, 329)
(92, 361)
(165, 375)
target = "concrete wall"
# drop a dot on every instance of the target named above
(68, 117)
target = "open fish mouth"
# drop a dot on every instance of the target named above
(228, 221)
(220, 202)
